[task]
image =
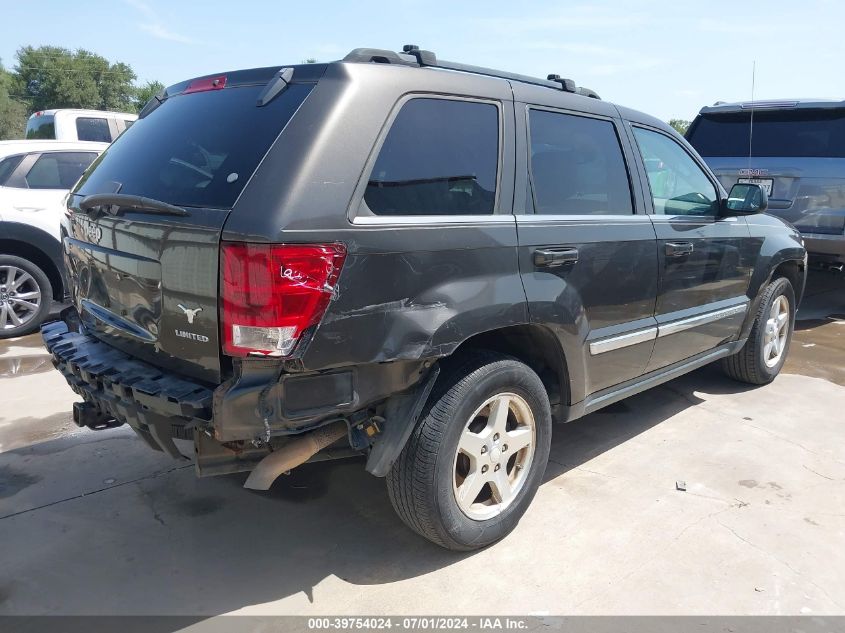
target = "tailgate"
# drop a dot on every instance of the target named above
(807, 192)
(149, 286)
(144, 233)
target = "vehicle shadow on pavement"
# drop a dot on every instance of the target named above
(156, 540)
(575, 443)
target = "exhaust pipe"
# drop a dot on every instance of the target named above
(293, 454)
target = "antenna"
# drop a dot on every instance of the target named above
(751, 126)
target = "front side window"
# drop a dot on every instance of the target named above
(440, 157)
(58, 170)
(93, 129)
(577, 166)
(678, 185)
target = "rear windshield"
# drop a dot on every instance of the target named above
(195, 150)
(41, 127)
(803, 133)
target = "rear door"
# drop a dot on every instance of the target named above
(148, 283)
(587, 250)
(705, 261)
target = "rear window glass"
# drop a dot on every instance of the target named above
(439, 158)
(802, 133)
(93, 129)
(41, 127)
(195, 150)
(58, 170)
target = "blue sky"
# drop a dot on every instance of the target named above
(664, 57)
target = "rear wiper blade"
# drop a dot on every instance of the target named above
(117, 203)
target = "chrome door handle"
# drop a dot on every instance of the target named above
(554, 257)
(678, 249)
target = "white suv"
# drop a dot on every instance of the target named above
(35, 176)
(78, 125)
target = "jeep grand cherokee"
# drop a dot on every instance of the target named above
(414, 260)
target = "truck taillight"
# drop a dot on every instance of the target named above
(272, 293)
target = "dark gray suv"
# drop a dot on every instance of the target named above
(795, 149)
(413, 260)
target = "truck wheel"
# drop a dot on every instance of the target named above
(762, 357)
(477, 456)
(25, 296)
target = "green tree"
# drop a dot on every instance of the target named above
(12, 112)
(55, 77)
(681, 126)
(146, 92)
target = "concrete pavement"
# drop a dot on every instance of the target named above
(94, 522)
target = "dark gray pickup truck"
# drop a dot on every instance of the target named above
(417, 261)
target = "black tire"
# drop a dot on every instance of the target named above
(749, 365)
(420, 483)
(39, 281)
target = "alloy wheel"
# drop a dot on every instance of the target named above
(20, 297)
(494, 456)
(776, 331)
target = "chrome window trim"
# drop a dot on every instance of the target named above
(674, 327)
(415, 220)
(623, 340)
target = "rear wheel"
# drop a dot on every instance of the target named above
(763, 356)
(25, 296)
(477, 456)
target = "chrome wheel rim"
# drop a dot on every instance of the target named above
(776, 332)
(494, 456)
(20, 297)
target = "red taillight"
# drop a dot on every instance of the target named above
(208, 83)
(272, 293)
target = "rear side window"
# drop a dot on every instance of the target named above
(93, 129)
(58, 170)
(41, 127)
(195, 150)
(799, 133)
(7, 166)
(577, 166)
(440, 157)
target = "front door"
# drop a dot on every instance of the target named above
(587, 253)
(705, 261)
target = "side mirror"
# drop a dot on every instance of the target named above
(745, 199)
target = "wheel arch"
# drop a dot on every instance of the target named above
(534, 345)
(785, 265)
(37, 246)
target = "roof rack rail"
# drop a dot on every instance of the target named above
(412, 55)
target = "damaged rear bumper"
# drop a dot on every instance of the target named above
(158, 405)
(235, 424)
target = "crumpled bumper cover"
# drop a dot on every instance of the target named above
(157, 404)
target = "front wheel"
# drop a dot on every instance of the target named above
(763, 356)
(477, 455)
(25, 296)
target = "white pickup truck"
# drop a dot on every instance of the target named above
(78, 125)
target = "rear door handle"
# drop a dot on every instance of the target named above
(554, 257)
(678, 249)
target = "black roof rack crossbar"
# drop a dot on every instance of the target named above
(412, 55)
